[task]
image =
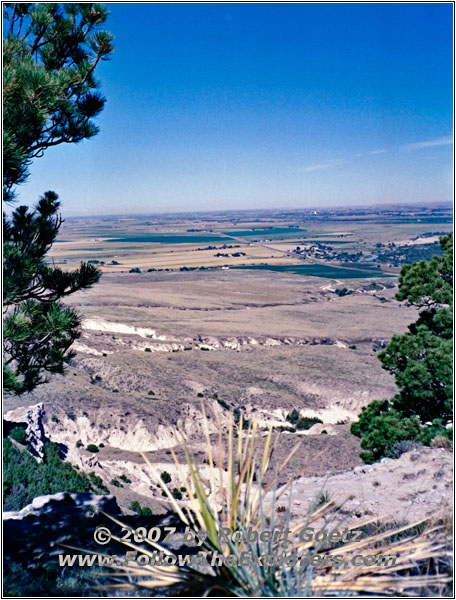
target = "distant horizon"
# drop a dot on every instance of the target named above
(392, 205)
(225, 106)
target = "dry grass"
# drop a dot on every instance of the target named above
(235, 497)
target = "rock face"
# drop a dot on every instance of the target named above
(37, 533)
(34, 533)
(61, 527)
(32, 416)
(86, 504)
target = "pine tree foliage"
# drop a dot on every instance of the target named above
(421, 361)
(49, 88)
(24, 478)
(38, 328)
(50, 54)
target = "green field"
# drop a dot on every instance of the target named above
(326, 271)
(263, 231)
(365, 266)
(110, 249)
(169, 238)
(275, 233)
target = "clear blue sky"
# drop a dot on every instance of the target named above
(218, 106)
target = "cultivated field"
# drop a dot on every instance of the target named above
(297, 331)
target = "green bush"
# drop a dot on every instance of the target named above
(307, 422)
(97, 482)
(343, 291)
(301, 422)
(146, 511)
(381, 428)
(293, 417)
(135, 506)
(177, 494)
(374, 409)
(165, 477)
(222, 403)
(116, 483)
(18, 434)
(92, 448)
(422, 364)
(79, 444)
(24, 478)
(249, 513)
(125, 479)
(429, 432)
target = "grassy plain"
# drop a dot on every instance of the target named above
(203, 325)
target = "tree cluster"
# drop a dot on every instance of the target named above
(24, 478)
(421, 362)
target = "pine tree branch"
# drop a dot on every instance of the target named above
(38, 37)
(12, 20)
(21, 21)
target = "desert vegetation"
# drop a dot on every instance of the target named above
(248, 502)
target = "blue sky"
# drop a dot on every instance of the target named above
(218, 106)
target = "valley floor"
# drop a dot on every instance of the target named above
(260, 344)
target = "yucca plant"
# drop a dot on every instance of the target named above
(237, 496)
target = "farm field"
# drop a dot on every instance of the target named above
(189, 309)
(258, 238)
(318, 270)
